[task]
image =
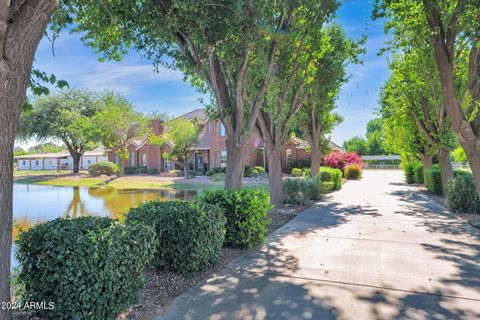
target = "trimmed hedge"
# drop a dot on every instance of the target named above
(246, 214)
(103, 167)
(259, 169)
(328, 186)
(413, 172)
(418, 175)
(433, 179)
(462, 195)
(328, 174)
(296, 191)
(90, 268)
(353, 172)
(296, 172)
(190, 234)
(135, 170)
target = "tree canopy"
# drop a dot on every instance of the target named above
(66, 116)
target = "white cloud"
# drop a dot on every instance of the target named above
(125, 79)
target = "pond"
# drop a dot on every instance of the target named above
(34, 204)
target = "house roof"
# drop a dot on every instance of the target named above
(196, 114)
(302, 144)
(100, 151)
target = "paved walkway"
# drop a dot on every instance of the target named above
(377, 249)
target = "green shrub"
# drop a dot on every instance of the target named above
(190, 234)
(353, 172)
(103, 167)
(259, 169)
(328, 186)
(249, 172)
(217, 170)
(135, 170)
(408, 169)
(433, 180)
(192, 173)
(246, 212)
(418, 173)
(216, 177)
(296, 191)
(331, 175)
(301, 163)
(90, 268)
(306, 172)
(462, 195)
(314, 185)
(296, 172)
(152, 171)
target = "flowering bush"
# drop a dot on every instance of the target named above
(342, 159)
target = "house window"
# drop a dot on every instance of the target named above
(36, 162)
(117, 159)
(24, 162)
(89, 162)
(132, 158)
(288, 156)
(144, 160)
(223, 158)
(222, 130)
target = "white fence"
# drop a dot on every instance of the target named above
(381, 166)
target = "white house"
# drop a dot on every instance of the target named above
(59, 161)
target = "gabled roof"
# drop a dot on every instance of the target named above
(196, 114)
(302, 144)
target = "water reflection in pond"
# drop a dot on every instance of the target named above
(34, 204)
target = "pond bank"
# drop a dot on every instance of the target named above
(132, 181)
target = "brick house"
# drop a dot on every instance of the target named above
(210, 152)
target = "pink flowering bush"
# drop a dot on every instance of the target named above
(342, 159)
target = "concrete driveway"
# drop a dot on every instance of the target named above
(377, 249)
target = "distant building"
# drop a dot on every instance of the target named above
(59, 161)
(211, 150)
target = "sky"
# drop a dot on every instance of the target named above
(166, 92)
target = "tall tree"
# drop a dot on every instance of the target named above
(229, 49)
(181, 135)
(357, 144)
(67, 116)
(400, 132)
(118, 124)
(22, 24)
(317, 118)
(287, 93)
(452, 30)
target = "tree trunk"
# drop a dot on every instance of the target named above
(446, 169)
(21, 28)
(426, 161)
(121, 167)
(466, 136)
(316, 156)
(76, 163)
(9, 114)
(235, 164)
(275, 181)
(185, 169)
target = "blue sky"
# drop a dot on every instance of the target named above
(165, 91)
